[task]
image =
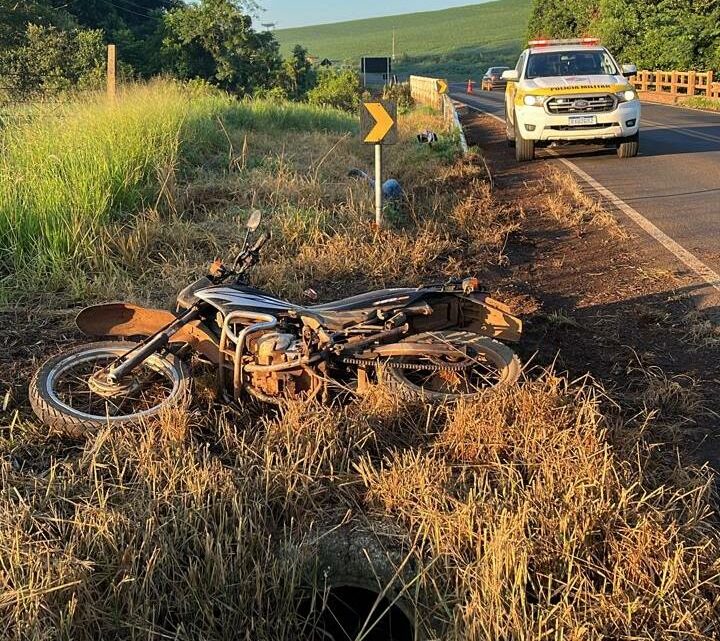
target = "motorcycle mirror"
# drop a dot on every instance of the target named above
(254, 221)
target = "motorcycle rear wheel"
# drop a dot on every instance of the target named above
(491, 365)
(62, 398)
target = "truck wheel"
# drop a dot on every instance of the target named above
(628, 147)
(509, 136)
(524, 149)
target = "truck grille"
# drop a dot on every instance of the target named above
(581, 104)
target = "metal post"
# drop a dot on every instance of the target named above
(111, 72)
(378, 187)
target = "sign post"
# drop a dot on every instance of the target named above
(378, 122)
(442, 89)
(378, 186)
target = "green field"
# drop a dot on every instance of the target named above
(455, 43)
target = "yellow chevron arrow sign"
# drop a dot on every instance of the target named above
(379, 122)
(442, 87)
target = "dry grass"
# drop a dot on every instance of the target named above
(532, 515)
(447, 224)
(568, 202)
(701, 331)
(518, 520)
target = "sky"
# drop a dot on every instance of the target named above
(299, 13)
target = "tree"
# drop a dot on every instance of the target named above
(561, 18)
(299, 72)
(134, 25)
(52, 59)
(338, 88)
(655, 34)
(15, 16)
(669, 34)
(214, 40)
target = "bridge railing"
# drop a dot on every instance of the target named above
(668, 86)
(425, 92)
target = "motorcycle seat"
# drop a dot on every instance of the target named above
(357, 309)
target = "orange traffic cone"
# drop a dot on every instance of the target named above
(470, 87)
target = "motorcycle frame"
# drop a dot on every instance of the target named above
(161, 328)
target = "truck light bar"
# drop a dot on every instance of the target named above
(570, 41)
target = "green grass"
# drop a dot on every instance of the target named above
(67, 171)
(456, 43)
(701, 102)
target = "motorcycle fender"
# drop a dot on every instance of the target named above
(486, 316)
(125, 320)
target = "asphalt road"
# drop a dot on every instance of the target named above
(671, 190)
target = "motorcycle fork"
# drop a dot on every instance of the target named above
(149, 346)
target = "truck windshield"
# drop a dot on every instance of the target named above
(570, 63)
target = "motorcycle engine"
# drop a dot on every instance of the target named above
(275, 348)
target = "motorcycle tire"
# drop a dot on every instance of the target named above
(52, 396)
(504, 362)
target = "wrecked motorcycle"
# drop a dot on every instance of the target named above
(438, 342)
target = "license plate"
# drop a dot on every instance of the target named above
(583, 120)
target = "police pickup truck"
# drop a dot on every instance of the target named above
(570, 91)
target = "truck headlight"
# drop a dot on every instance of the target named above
(533, 101)
(626, 96)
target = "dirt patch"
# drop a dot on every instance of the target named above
(27, 337)
(597, 301)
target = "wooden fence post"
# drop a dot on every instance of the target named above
(692, 83)
(111, 73)
(709, 91)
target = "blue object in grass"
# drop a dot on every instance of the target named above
(392, 190)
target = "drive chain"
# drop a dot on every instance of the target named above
(453, 367)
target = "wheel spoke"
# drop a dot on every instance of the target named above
(467, 369)
(72, 388)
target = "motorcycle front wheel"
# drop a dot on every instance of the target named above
(480, 365)
(62, 396)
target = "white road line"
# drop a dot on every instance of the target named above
(482, 111)
(708, 276)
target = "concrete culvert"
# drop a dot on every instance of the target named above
(351, 613)
(360, 585)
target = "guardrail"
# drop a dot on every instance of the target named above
(425, 92)
(669, 86)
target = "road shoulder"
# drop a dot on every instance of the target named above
(599, 300)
